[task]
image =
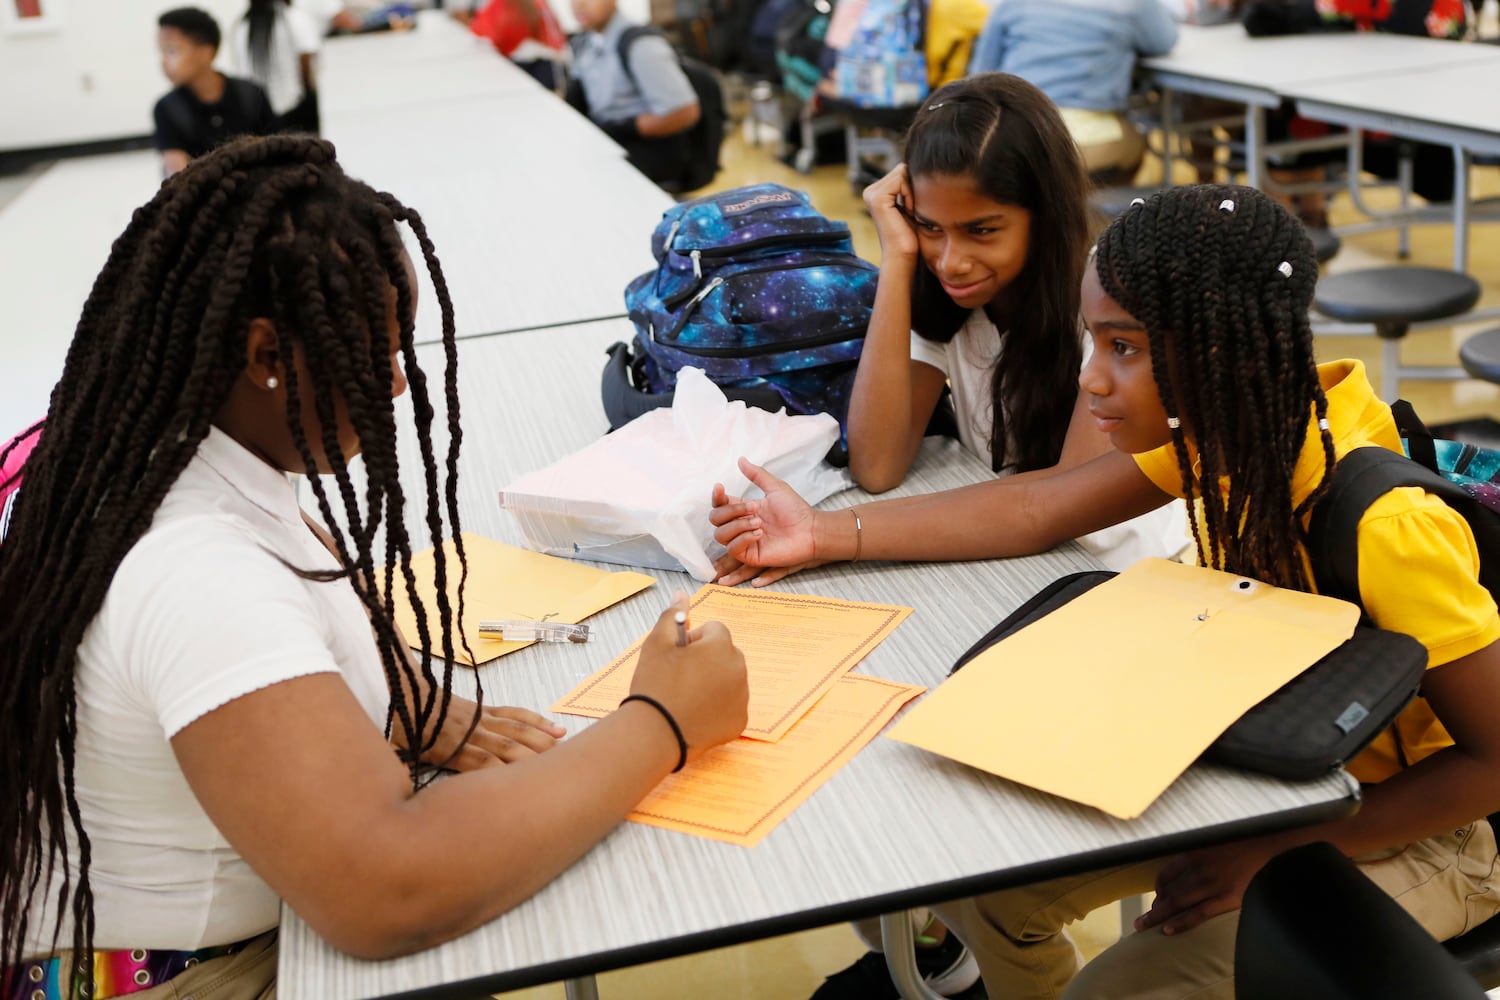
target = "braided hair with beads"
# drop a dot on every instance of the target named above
(266, 228)
(1222, 278)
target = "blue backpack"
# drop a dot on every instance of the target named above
(885, 63)
(762, 293)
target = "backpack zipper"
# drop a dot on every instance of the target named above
(858, 263)
(767, 241)
(837, 336)
(692, 303)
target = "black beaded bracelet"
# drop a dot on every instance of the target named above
(676, 729)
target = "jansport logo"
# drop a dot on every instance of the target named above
(759, 201)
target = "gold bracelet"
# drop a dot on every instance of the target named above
(859, 535)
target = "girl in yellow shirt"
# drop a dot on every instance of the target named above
(1203, 377)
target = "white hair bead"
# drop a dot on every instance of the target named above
(1322, 423)
(1137, 201)
(1174, 423)
(1227, 205)
(1285, 267)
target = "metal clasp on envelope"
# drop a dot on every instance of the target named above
(526, 630)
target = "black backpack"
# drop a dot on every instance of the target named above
(1364, 475)
(707, 135)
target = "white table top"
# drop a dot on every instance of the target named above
(423, 83)
(54, 240)
(1223, 61)
(895, 827)
(1451, 105)
(436, 37)
(519, 253)
(439, 61)
(532, 130)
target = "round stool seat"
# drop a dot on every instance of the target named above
(1394, 297)
(1480, 355)
(1325, 244)
(1112, 201)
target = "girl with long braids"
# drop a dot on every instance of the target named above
(1203, 376)
(203, 693)
(983, 234)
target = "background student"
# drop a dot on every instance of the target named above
(1081, 53)
(983, 233)
(206, 107)
(1203, 373)
(201, 683)
(648, 107)
(527, 33)
(276, 45)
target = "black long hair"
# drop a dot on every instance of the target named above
(1005, 134)
(270, 228)
(1222, 277)
(261, 19)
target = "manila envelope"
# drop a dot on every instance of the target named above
(1108, 699)
(507, 582)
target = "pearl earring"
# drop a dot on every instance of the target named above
(272, 382)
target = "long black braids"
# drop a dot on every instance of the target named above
(260, 25)
(1008, 137)
(268, 227)
(1222, 278)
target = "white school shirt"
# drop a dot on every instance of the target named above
(199, 613)
(294, 35)
(968, 361)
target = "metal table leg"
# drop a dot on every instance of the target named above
(900, 945)
(581, 989)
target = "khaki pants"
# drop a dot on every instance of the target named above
(248, 974)
(1449, 884)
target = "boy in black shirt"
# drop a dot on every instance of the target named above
(206, 107)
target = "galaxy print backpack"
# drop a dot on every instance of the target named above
(762, 293)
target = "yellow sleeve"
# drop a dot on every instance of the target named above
(1160, 466)
(1419, 574)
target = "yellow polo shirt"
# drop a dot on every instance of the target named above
(1418, 564)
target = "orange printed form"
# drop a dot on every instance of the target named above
(795, 647)
(739, 791)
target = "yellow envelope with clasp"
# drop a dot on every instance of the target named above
(1109, 698)
(507, 582)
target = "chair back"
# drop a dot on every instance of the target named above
(1312, 925)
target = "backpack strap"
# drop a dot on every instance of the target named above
(627, 39)
(1416, 435)
(1361, 477)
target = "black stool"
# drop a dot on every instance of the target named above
(1480, 355)
(1325, 244)
(1392, 299)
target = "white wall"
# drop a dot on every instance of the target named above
(93, 76)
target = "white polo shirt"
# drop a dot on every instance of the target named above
(200, 612)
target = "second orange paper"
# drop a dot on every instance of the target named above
(796, 646)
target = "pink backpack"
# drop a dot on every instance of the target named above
(15, 452)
